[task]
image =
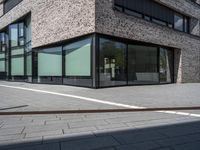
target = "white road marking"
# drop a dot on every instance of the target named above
(99, 101)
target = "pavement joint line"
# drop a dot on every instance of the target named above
(99, 101)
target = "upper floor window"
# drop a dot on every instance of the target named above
(154, 12)
(9, 4)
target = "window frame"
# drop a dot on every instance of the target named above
(4, 6)
(171, 25)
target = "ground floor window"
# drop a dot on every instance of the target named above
(142, 64)
(112, 63)
(92, 61)
(50, 64)
(77, 63)
(78, 58)
(122, 62)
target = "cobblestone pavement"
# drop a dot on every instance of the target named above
(100, 131)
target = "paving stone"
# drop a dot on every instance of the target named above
(139, 146)
(87, 123)
(54, 146)
(20, 142)
(8, 131)
(109, 148)
(178, 131)
(43, 128)
(129, 137)
(79, 130)
(189, 146)
(90, 143)
(173, 141)
(44, 133)
(11, 137)
(68, 137)
(111, 126)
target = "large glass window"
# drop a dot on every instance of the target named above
(50, 62)
(78, 58)
(166, 65)
(77, 63)
(112, 63)
(142, 65)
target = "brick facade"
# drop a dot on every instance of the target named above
(57, 20)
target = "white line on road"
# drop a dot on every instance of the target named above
(99, 101)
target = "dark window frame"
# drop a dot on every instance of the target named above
(133, 42)
(6, 10)
(167, 24)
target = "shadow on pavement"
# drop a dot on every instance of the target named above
(184, 136)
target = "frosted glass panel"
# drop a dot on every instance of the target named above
(50, 62)
(17, 66)
(17, 51)
(29, 65)
(2, 66)
(78, 58)
(2, 56)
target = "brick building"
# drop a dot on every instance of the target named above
(100, 43)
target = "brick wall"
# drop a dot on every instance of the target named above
(118, 24)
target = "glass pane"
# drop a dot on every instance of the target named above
(3, 39)
(17, 66)
(142, 65)
(78, 58)
(21, 29)
(166, 65)
(186, 25)
(50, 62)
(2, 55)
(21, 41)
(112, 63)
(178, 22)
(29, 65)
(14, 35)
(17, 51)
(3, 48)
(28, 30)
(2, 66)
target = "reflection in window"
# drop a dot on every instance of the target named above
(2, 62)
(166, 65)
(178, 22)
(50, 62)
(142, 65)
(78, 58)
(112, 63)
(13, 35)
